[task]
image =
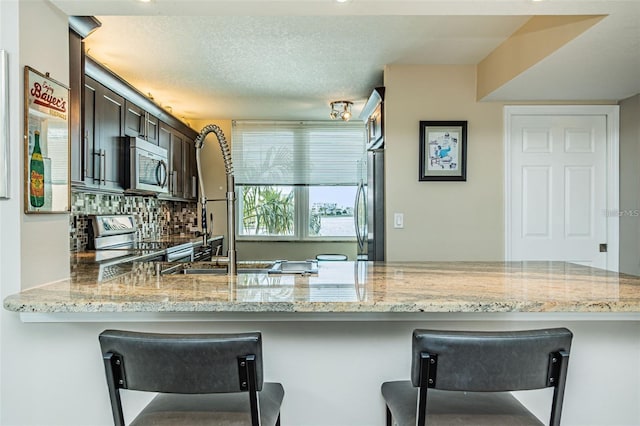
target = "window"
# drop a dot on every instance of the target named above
(297, 180)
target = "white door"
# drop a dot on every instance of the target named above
(558, 179)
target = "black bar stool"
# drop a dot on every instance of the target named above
(464, 378)
(202, 379)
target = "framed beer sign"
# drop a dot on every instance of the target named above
(46, 144)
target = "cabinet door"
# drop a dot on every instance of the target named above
(140, 123)
(110, 108)
(165, 133)
(177, 150)
(75, 106)
(190, 168)
(90, 155)
(152, 129)
(134, 122)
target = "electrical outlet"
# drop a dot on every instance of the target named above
(398, 220)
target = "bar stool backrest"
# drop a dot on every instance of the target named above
(491, 362)
(180, 363)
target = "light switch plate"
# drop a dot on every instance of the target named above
(398, 220)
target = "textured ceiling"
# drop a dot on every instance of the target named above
(266, 67)
(288, 59)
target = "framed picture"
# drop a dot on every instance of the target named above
(46, 144)
(443, 151)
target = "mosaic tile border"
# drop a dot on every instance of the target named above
(154, 217)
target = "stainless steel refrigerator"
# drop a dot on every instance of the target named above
(369, 206)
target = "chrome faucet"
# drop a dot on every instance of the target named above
(230, 198)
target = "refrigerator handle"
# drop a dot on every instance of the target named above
(356, 215)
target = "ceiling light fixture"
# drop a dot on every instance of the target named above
(341, 109)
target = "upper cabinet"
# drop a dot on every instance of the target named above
(75, 106)
(103, 127)
(79, 28)
(373, 116)
(182, 159)
(190, 170)
(140, 123)
(111, 109)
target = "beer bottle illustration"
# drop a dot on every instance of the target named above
(36, 187)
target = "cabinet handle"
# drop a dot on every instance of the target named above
(85, 142)
(103, 172)
(97, 170)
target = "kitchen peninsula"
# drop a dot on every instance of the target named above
(351, 323)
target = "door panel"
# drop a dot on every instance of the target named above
(134, 120)
(580, 195)
(536, 199)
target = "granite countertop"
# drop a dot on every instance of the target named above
(340, 287)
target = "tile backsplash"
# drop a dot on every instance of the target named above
(154, 217)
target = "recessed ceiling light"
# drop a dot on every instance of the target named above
(342, 1)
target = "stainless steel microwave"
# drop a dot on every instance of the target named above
(148, 169)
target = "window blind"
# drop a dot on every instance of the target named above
(298, 153)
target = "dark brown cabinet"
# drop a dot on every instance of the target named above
(75, 106)
(190, 169)
(140, 123)
(110, 111)
(182, 162)
(102, 131)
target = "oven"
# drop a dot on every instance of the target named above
(114, 236)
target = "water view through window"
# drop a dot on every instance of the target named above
(331, 211)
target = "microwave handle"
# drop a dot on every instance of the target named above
(161, 177)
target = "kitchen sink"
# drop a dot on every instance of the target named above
(294, 267)
(247, 267)
(212, 268)
(222, 271)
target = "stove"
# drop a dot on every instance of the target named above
(116, 235)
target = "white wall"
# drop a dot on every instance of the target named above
(629, 185)
(44, 45)
(9, 209)
(33, 249)
(442, 220)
